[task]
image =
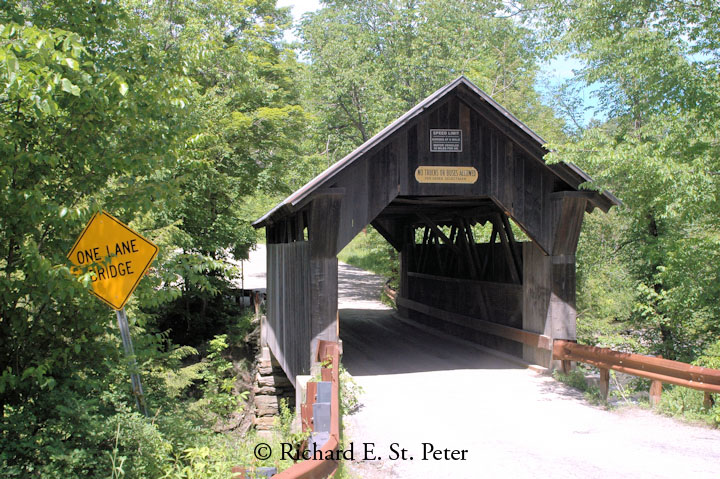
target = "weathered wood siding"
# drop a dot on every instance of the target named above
(368, 187)
(289, 328)
(549, 280)
(441, 260)
(512, 175)
(499, 303)
(516, 180)
(537, 288)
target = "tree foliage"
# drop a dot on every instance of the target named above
(167, 114)
(656, 65)
(185, 117)
(78, 132)
(371, 61)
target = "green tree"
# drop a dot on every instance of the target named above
(246, 122)
(656, 65)
(83, 124)
(89, 117)
(370, 61)
(168, 114)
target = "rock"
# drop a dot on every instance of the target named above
(274, 381)
(264, 423)
(265, 354)
(282, 392)
(266, 405)
(265, 390)
(229, 423)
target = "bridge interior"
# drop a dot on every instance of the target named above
(376, 342)
(462, 248)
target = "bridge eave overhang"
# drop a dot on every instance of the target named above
(531, 143)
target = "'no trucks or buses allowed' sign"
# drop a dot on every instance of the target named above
(118, 257)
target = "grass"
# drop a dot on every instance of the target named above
(687, 404)
(369, 251)
(576, 379)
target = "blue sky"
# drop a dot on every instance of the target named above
(561, 69)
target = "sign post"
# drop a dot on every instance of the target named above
(130, 353)
(118, 258)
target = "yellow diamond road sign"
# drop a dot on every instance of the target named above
(117, 256)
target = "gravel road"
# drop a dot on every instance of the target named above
(422, 390)
(510, 421)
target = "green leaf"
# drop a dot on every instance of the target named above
(123, 88)
(68, 86)
(12, 64)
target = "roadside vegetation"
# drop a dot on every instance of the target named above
(676, 401)
(188, 119)
(369, 251)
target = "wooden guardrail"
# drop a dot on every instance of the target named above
(659, 370)
(656, 369)
(390, 293)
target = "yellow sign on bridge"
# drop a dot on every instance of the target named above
(446, 174)
(117, 256)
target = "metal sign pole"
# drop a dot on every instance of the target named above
(130, 353)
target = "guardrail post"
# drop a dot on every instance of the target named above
(257, 301)
(655, 392)
(566, 366)
(604, 383)
(306, 408)
(708, 400)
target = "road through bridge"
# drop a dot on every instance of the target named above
(422, 387)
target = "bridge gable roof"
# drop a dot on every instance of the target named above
(506, 129)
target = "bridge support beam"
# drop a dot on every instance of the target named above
(323, 233)
(549, 280)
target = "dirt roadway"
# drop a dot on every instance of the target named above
(514, 423)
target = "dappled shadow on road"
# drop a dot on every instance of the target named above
(376, 343)
(550, 389)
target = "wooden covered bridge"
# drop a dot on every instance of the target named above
(442, 184)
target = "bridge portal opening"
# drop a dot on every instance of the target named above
(443, 184)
